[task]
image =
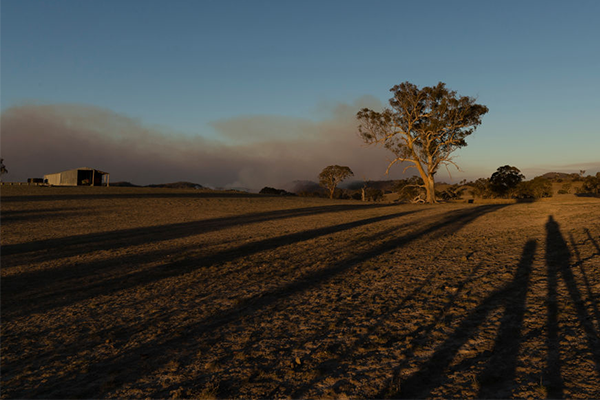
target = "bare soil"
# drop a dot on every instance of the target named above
(133, 292)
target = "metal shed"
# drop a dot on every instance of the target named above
(78, 177)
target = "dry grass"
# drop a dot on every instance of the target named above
(185, 294)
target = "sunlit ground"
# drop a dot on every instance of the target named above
(163, 293)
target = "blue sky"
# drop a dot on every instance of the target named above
(182, 66)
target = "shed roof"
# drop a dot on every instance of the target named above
(82, 168)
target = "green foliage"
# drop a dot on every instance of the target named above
(356, 195)
(566, 188)
(591, 185)
(536, 188)
(3, 169)
(373, 194)
(277, 192)
(505, 180)
(481, 188)
(332, 175)
(423, 127)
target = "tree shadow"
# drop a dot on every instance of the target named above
(13, 216)
(146, 194)
(498, 378)
(41, 291)
(581, 264)
(503, 362)
(421, 331)
(127, 365)
(81, 244)
(558, 263)
(591, 239)
(500, 373)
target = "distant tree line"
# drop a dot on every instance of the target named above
(591, 185)
(275, 192)
(506, 183)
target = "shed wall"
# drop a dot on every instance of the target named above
(68, 178)
(52, 179)
(76, 177)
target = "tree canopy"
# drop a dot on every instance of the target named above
(423, 127)
(332, 175)
(591, 184)
(505, 179)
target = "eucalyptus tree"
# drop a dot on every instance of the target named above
(422, 127)
(332, 175)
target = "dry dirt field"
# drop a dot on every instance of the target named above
(132, 292)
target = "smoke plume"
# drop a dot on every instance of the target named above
(251, 152)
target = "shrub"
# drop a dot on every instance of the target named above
(453, 192)
(591, 185)
(534, 189)
(276, 192)
(309, 193)
(481, 188)
(409, 188)
(373, 194)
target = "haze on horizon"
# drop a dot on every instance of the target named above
(256, 94)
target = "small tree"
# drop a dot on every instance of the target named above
(332, 175)
(591, 185)
(423, 127)
(481, 188)
(373, 194)
(505, 179)
(566, 188)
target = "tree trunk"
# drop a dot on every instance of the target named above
(331, 192)
(430, 187)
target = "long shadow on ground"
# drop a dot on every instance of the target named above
(41, 291)
(380, 325)
(558, 263)
(146, 194)
(586, 279)
(50, 249)
(498, 379)
(502, 365)
(126, 368)
(17, 216)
